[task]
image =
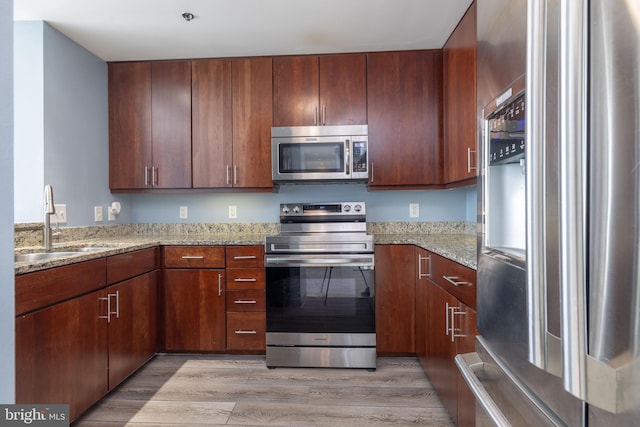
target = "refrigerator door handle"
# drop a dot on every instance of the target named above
(572, 138)
(469, 364)
(535, 184)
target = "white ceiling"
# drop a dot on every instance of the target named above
(118, 30)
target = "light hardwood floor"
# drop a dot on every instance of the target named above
(175, 390)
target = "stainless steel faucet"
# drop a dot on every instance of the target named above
(49, 209)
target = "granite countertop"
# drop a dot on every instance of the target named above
(460, 248)
(457, 247)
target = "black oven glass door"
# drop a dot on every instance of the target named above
(316, 157)
(324, 299)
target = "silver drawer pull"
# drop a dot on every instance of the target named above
(245, 301)
(245, 257)
(192, 257)
(454, 280)
(249, 279)
(240, 332)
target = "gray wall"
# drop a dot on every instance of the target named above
(62, 139)
(7, 306)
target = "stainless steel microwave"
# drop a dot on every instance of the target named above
(320, 153)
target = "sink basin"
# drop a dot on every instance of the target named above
(39, 256)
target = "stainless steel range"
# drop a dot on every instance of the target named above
(320, 288)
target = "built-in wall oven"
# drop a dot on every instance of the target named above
(320, 288)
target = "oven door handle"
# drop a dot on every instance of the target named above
(319, 260)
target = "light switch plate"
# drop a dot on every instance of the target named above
(184, 212)
(97, 213)
(233, 212)
(414, 210)
(61, 214)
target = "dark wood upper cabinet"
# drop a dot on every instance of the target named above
(212, 122)
(252, 117)
(404, 93)
(149, 125)
(460, 132)
(129, 124)
(171, 124)
(319, 90)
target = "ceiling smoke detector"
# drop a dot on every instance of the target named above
(188, 16)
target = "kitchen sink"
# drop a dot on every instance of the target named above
(39, 256)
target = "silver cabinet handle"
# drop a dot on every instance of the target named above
(235, 174)
(371, 171)
(469, 167)
(192, 257)
(219, 284)
(146, 176)
(247, 279)
(108, 300)
(245, 301)
(245, 257)
(315, 115)
(453, 312)
(324, 114)
(227, 176)
(469, 364)
(240, 332)
(420, 273)
(454, 280)
(117, 295)
(446, 319)
(155, 172)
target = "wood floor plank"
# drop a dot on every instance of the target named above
(215, 390)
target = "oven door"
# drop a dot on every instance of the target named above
(327, 294)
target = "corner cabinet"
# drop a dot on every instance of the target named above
(460, 131)
(149, 125)
(194, 298)
(317, 90)
(404, 95)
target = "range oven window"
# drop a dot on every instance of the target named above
(311, 157)
(336, 299)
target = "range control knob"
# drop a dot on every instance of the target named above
(357, 208)
(346, 208)
(296, 209)
(285, 209)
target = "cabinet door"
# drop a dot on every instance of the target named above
(395, 296)
(194, 310)
(343, 89)
(61, 354)
(295, 91)
(252, 119)
(133, 329)
(441, 349)
(212, 123)
(129, 124)
(404, 93)
(460, 132)
(171, 123)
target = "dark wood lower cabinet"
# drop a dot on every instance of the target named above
(61, 354)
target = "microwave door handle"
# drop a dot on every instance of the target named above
(347, 156)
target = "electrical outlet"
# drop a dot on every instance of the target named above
(97, 213)
(61, 214)
(184, 212)
(233, 212)
(414, 210)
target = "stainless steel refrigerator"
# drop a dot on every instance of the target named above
(558, 214)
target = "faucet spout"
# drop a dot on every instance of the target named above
(49, 209)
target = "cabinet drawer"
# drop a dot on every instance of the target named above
(124, 266)
(245, 278)
(458, 280)
(194, 256)
(246, 331)
(245, 256)
(246, 300)
(46, 287)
